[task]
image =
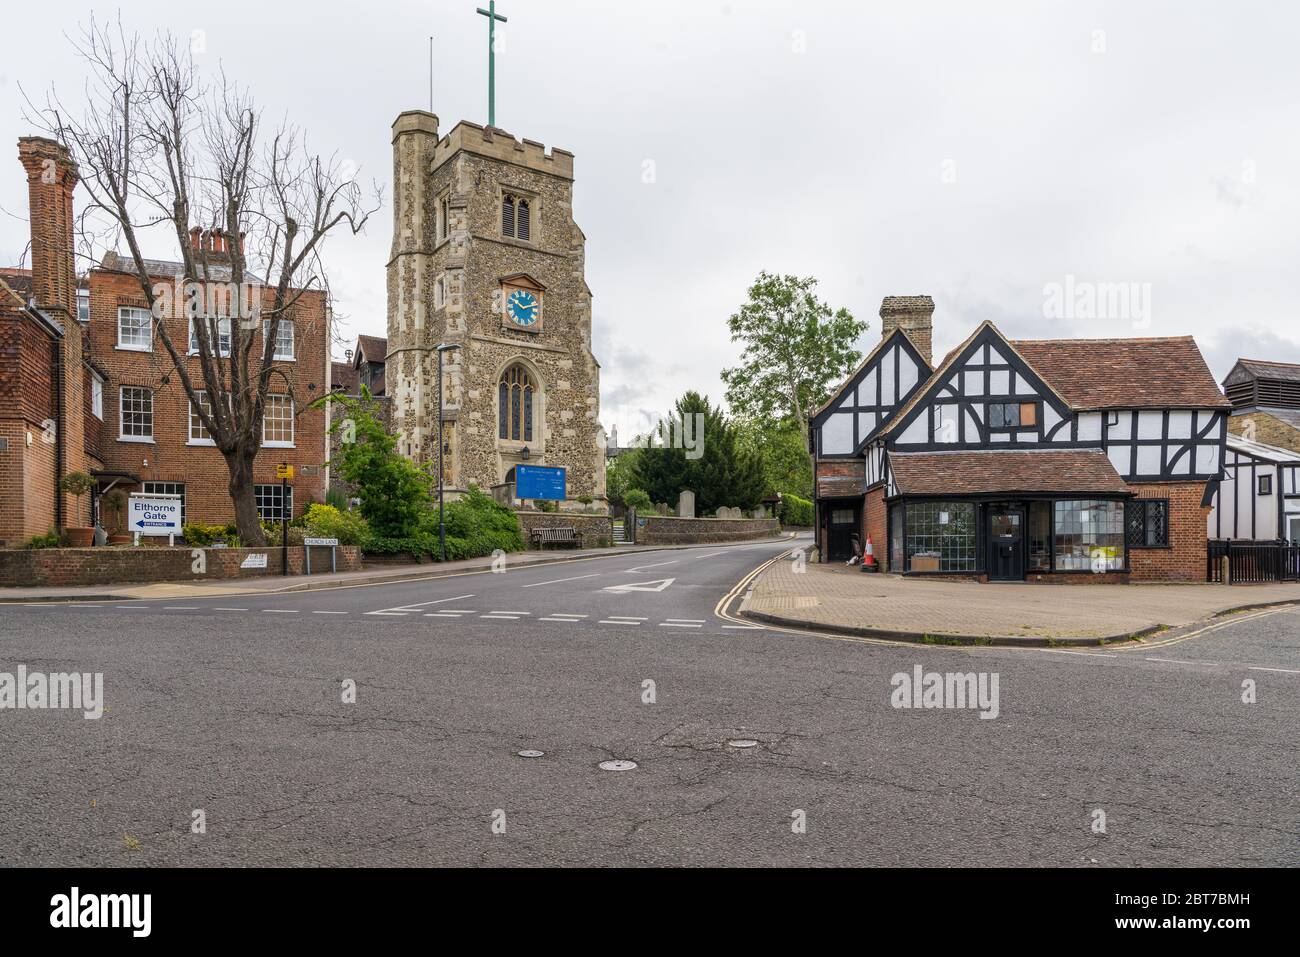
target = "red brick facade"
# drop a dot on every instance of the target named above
(50, 425)
(1184, 559)
(173, 456)
(875, 524)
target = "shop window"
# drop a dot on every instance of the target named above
(941, 537)
(1089, 536)
(1040, 536)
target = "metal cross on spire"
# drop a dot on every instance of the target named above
(493, 17)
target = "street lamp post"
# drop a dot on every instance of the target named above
(442, 523)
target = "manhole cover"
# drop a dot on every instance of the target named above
(618, 765)
(530, 753)
(742, 743)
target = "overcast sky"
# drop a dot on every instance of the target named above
(975, 152)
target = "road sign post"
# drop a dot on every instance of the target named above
(285, 472)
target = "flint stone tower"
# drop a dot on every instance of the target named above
(486, 255)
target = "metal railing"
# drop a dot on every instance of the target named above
(1251, 562)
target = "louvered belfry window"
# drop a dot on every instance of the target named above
(522, 220)
(516, 217)
(515, 405)
(508, 216)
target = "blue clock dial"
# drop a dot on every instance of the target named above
(524, 307)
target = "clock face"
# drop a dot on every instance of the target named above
(523, 307)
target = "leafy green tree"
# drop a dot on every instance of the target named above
(718, 469)
(395, 493)
(620, 475)
(779, 446)
(796, 348)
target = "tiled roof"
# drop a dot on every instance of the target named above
(1271, 453)
(19, 280)
(217, 271)
(836, 486)
(1263, 369)
(345, 378)
(1125, 373)
(1077, 471)
(373, 348)
(1290, 417)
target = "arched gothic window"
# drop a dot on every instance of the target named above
(515, 400)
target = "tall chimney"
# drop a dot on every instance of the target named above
(51, 178)
(915, 316)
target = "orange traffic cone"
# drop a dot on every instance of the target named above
(869, 557)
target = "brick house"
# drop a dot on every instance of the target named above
(86, 357)
(1061, 460)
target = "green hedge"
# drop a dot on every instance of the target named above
(476, 525)
(796, 512)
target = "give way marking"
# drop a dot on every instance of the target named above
(659, 585)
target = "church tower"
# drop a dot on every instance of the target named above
(486, 256)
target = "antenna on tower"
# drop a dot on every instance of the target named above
(430, 74)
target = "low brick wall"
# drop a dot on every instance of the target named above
(35, 568)
(668, 530)
(597, 531)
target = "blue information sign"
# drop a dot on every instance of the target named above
(540, 482)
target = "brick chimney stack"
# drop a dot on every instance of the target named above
(51, 178)
(915, 316)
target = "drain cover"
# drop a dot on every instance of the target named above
(618, 765)
(742, 743)
(530, 753)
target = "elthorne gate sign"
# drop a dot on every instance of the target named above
(154, 515)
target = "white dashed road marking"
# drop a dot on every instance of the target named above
(401, 611)
(557, 581)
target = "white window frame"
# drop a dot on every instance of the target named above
(224, 337)
(97, 397)
(293, 339)
(278, 399)
(83, 299)
(197, 432)
(134, 312)
(121, 415)
(166, 488)
(276, 490)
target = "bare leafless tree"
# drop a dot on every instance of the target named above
(160, 149)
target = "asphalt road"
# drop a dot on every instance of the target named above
(234, 707)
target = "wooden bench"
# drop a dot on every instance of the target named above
(556, 536)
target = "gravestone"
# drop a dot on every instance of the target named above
(686, 504)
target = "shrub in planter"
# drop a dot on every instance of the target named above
(326, 521)
(78, 484)
(275, 540)
(50, 539)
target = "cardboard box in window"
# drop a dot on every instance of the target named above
(925, 563)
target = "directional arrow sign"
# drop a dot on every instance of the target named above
(659, 585)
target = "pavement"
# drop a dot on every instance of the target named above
(372, 574)
(752, 745)
(847, 601)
